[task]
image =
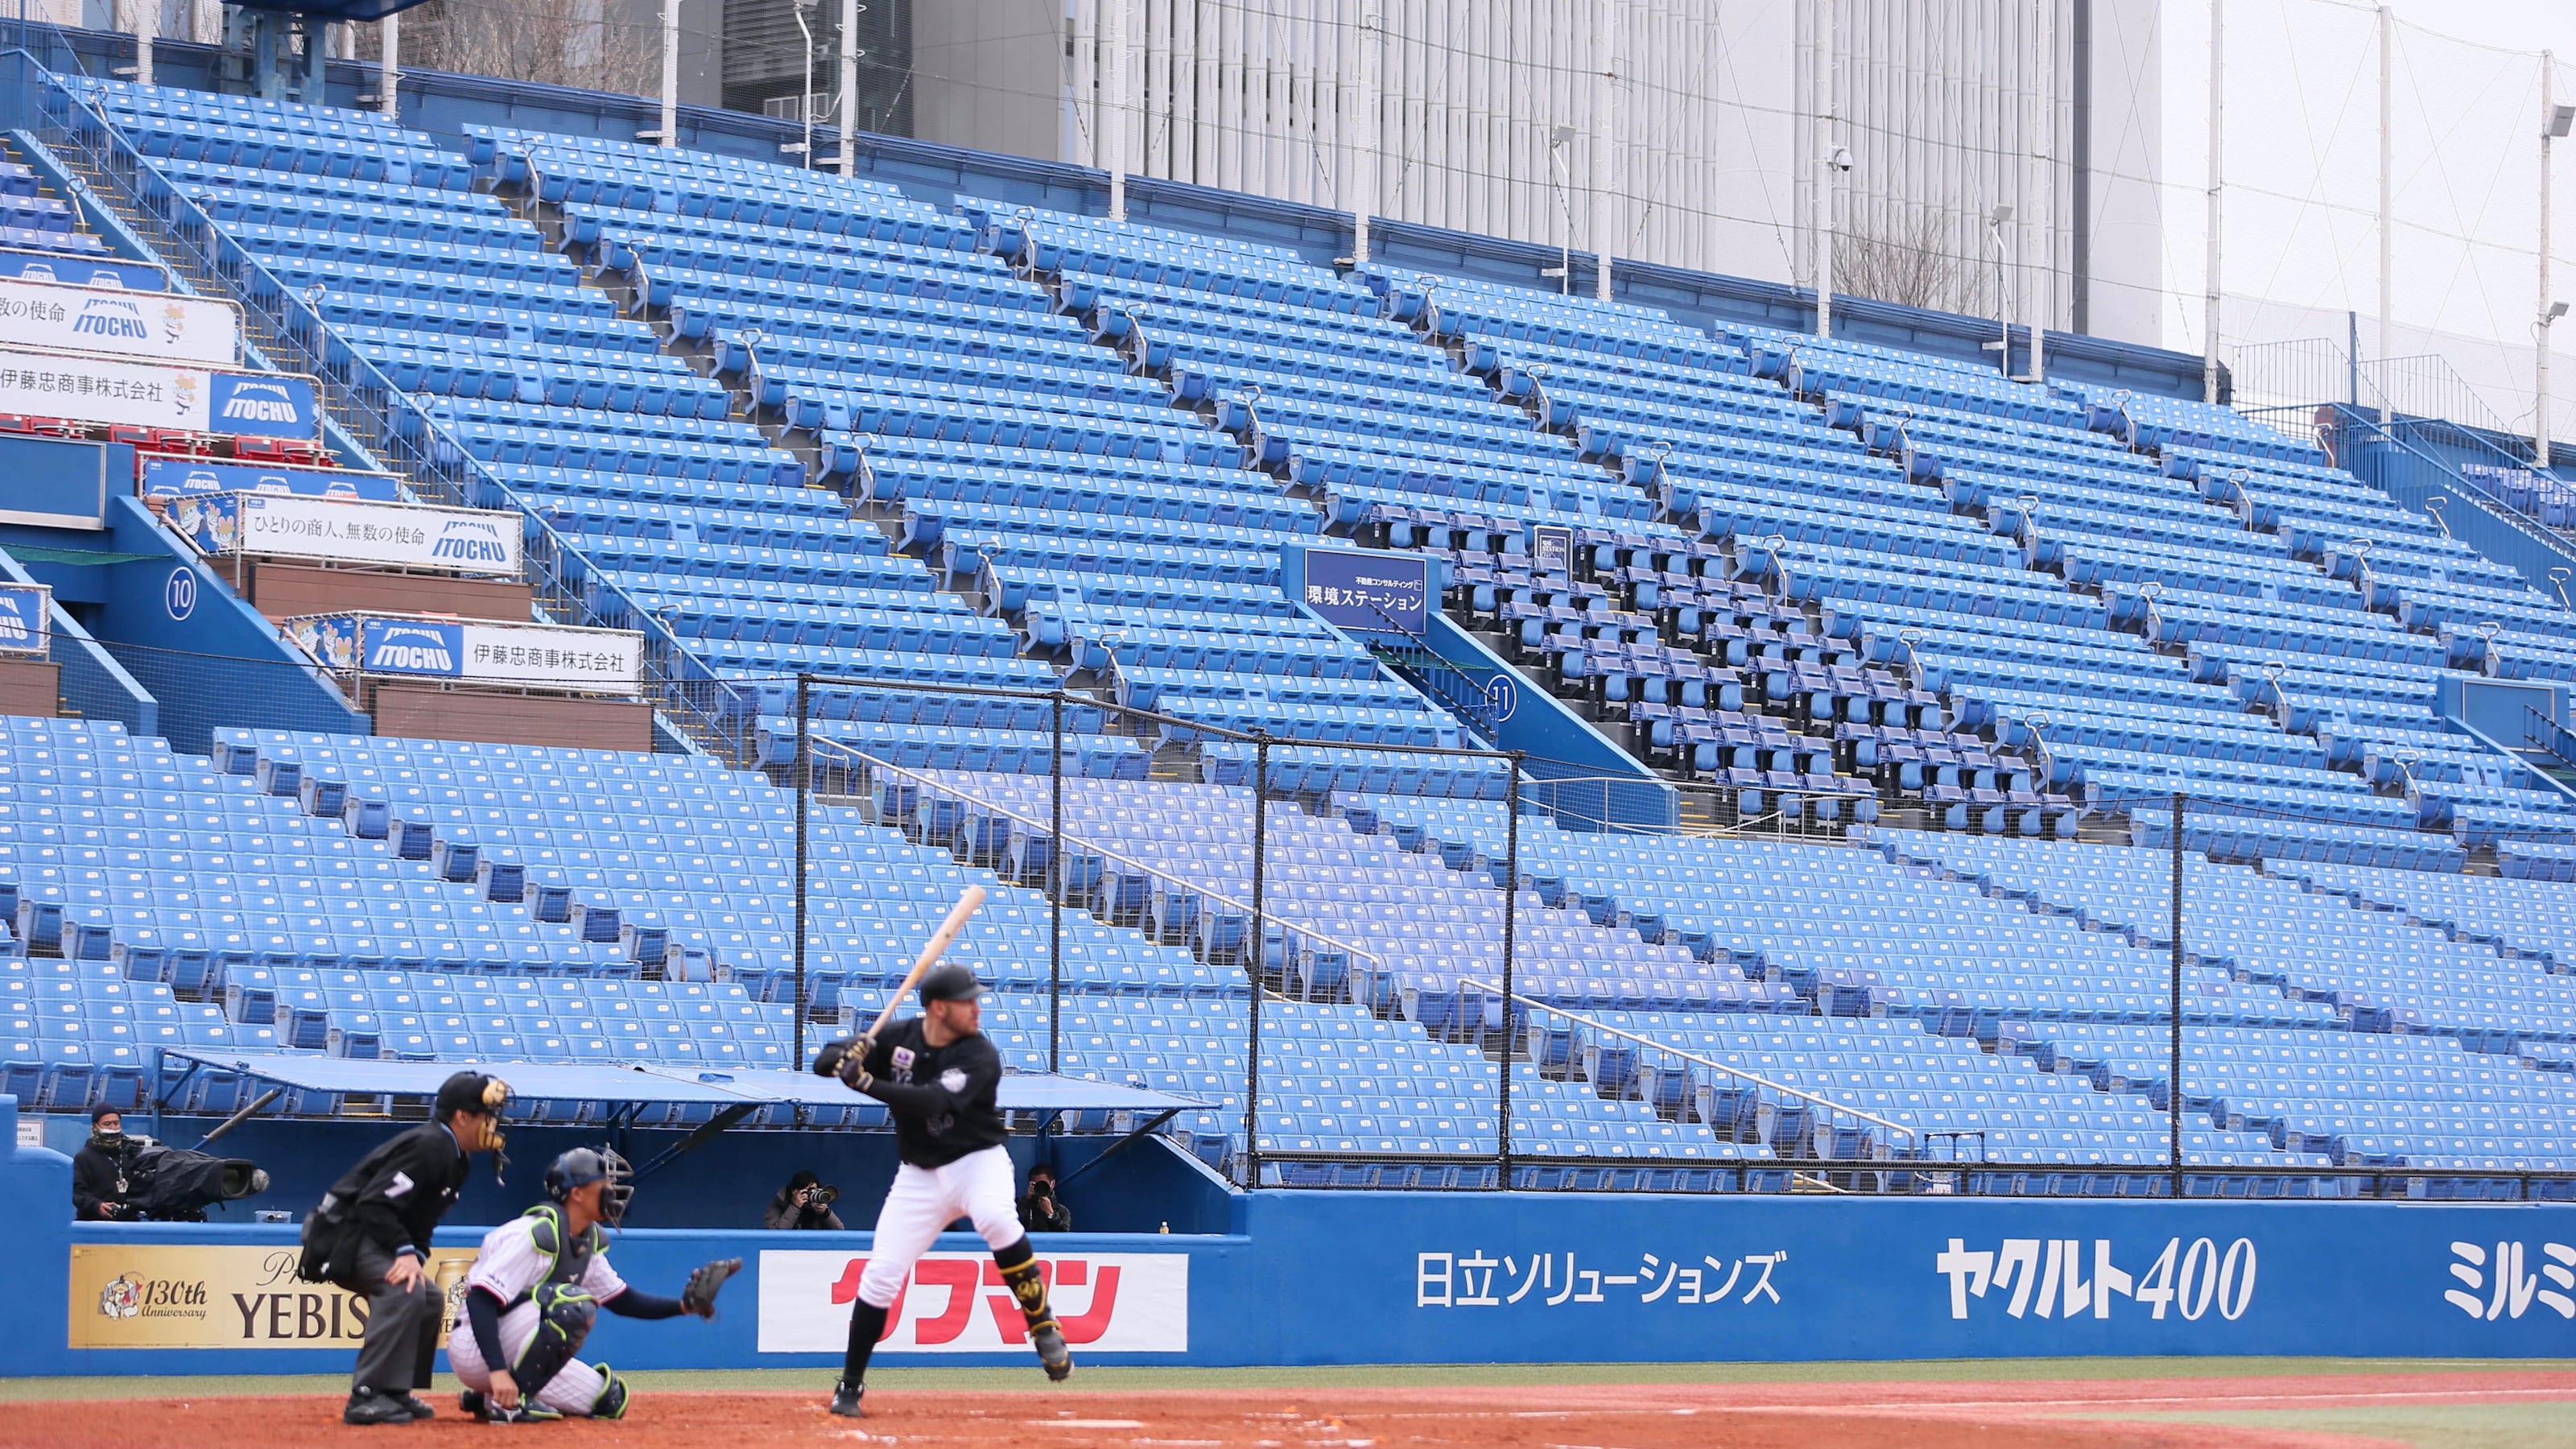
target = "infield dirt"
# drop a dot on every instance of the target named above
(1935, 1414)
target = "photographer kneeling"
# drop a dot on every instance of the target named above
(805, 1202)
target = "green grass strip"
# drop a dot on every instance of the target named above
(1128, 1378)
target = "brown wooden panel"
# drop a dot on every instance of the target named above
(30, 686)
(284, 590)
(426, 712)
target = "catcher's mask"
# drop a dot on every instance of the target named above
(483, 1098)
(583, 1166)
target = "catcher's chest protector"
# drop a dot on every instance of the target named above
(567, 1254)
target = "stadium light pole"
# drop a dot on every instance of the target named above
(2217, 199)
(2387, 201)
(804, 147)
(1996, 220)
(851, 10)
(389, 66)
(1831, 161)
(669, 135)
(2556, 121)
(1559, 141)
(1605, 148)
(1366, 122)
(1113, 103)
(147, 28)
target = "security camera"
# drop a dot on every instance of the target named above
(1839, 158)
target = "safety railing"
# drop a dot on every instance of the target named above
(1293, 932)
(363, 401)
(1756, 1080)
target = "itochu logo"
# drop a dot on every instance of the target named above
(260, 402)
(412, 649)
(13, 624)
(112, 319)
(468, 540)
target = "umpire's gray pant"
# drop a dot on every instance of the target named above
(402, 1326)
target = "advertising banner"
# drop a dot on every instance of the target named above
(541, 656)
(1552, 549)
(955, 1303)
(113, 390)
(1372, 591)
(222, 1295)
(86, 271)
(170, 477)
(1634, 1276)
(26, 619)
(351, 531)
(160, 326)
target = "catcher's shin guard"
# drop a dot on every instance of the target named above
(564, 1316)
(611, 1403)
(1019, 1265)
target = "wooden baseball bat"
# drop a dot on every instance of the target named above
(940, 941)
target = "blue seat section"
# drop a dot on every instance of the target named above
(793, 423)
(1785, 962)
(980, 428)
(2127, 597)
(481, 902)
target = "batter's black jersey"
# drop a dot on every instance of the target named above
(941, 1097)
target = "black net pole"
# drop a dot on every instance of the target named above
(1252, 952)
(1055, 889)
(2173, 1047)
(1511, 910)
(804, 795)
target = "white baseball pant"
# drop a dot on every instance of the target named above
(573, 1389)
(980, 1186)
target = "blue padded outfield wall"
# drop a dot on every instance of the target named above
(1385, 1277)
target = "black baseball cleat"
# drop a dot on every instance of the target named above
(368, 1406)
(419, 1407)
(1053, 1356)
(845, 1400)
(470, 1403)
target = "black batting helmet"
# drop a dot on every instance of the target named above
(950, 981)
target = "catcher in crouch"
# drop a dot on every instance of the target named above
(937, 1073)
(537, 1286)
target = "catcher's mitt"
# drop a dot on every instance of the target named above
(698, 1296)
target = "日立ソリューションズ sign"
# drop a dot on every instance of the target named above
(175, 1295)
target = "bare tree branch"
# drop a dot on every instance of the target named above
(1909, 260)
(549, 42)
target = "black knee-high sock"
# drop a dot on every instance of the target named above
(867, 1325)
(1019, 1264)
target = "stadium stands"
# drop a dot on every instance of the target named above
(809, 424)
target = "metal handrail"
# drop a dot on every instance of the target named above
(1155, 872)
(1912, 1136)
(437, 456)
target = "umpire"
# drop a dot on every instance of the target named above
(371, 1237)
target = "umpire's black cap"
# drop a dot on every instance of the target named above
(472, 1092)
(949, 981)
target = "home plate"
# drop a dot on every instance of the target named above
(1087, 1423)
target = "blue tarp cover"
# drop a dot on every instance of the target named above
(1022, 1091)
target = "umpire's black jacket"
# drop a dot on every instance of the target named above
(395, 1196)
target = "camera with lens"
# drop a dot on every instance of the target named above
(820, 1195)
